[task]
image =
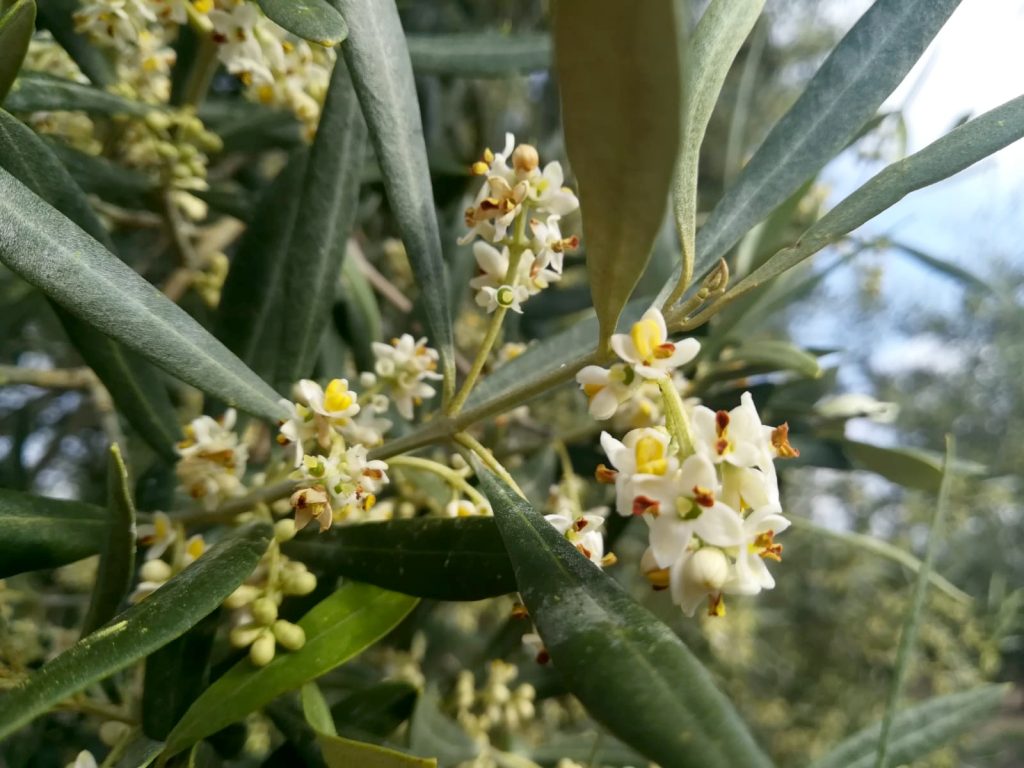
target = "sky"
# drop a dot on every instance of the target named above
(975, 63)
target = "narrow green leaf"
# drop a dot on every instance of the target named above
(340, 752)
(140, 753)
(942, 266)
(487, 54)
(57, 16)
(175, 676)
(378, 58)
(908, 467)
(957, 150)
(432, 732)
(161, 617)
(375, 711)
(362, 314)
(49, 251)
(137, 387)
(314, 20)
(845, 92)
(37, 532)
(908, 633)
(249, 314)
(316, 711)
(651, 691)
(41, 92)
(618, 74)
(443, 559)
(920, 729)
(117, 560)
(16, 27)
(762, 356)
(715, 43)
(343, 625)
(319, 236)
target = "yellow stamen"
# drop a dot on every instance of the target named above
(336, 396)
(650, 456)
(646, 337)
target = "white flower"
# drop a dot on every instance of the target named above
(547, 194)
(680, 505)
(238, 48)
(699, 576)
(317, 412)
(84, 760)
(548, 243)
(337, 486)
(508, 296)
(583, 532)
(404, 366)
(647, 348)
(644, 455)
(212, 459)
(155, 573)
(736, 437)
(754, 536)
(158, 535)
(607, 388)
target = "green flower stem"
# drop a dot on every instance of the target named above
(569, 476)
(676, 418)
(448, 474)
(484, 454)
(516, 249)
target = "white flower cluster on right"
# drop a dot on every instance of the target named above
(515, 264)
(706, 487)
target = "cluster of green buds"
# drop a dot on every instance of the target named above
(255, 604)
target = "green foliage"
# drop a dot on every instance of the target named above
(344, 624)
(378, 58)
(630, 671)
(618, 76)
(50, 252)
(454, 559)
(479, 55)
(43, 533)
(117, 559)
(140, 630)
(42, 92)
(16, 25)
(314, 20)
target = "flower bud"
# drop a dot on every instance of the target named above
(290, 636)
(707, 569)
(525, 158)
(284, 530)
(155, 570)
(244, 635)
(264, 611)
(242, 596)
(298, 583)
(261, 652)
(112, 731)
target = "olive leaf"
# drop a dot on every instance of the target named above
(16, 27)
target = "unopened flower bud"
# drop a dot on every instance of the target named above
(284, 530)
(298, 583)
(261, 652)
(264, 611)
(112, 731)
(525, 158)
(155, 570)
(242, 596)
(244, 635)
(290, 636)
(707, 569)
(717, 279)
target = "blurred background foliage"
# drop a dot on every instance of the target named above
(807, 663)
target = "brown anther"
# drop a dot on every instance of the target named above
(579, 524)
(767, 548)
(282, 440)
(703, 496)
(605, 474)
(644, 504)
(543, 657)
(716, 605)
(781, 444)
(519, 611)
(721, 422)
(721, 446)
(609, 559)
(525, 158)
(583, 551)
(376, 474)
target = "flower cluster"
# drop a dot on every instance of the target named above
(403, 368)
(706, 486)
(255, 603)
(517, 215)
(164, 538)
(336, 479)
(212, 460)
